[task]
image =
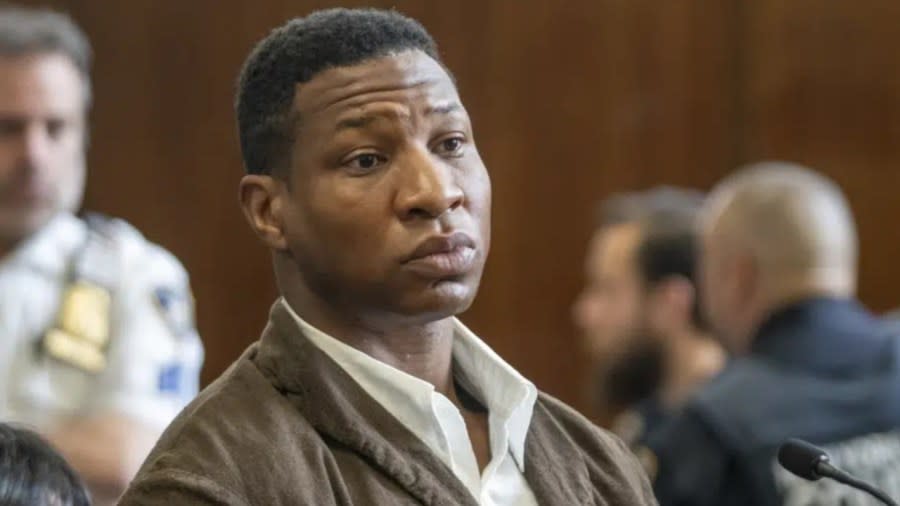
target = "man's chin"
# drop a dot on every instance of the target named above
(441, 300)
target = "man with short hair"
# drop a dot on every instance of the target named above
(97, 343)
(778, 278)
(364, 181)
(639, 310)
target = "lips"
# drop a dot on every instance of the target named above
(25, 192)
(443, 256)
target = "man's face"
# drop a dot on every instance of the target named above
(42, 141)
(387, 209)
(608, 310)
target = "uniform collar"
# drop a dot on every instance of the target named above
(48, 250)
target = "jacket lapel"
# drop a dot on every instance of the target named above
(340, 409)
(554, 468)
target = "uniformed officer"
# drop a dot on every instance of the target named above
(98, 349)
(778, 272)
(639, 311)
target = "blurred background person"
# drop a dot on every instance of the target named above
(32, 473)
(778, 278)
(639, 311)
(98, 349)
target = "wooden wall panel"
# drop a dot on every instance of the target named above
(571, 101)
(821, 86)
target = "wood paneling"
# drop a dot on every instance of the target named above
(822, 86)
(571, 101)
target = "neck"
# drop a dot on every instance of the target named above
(824, 282)
(422, 350)
(786, 289)
(783, 288)
(693, 359)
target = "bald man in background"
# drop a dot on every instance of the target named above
(778, 280)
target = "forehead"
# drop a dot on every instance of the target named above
(409, 77)
(39, 84)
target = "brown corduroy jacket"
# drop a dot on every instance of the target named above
(285, 425)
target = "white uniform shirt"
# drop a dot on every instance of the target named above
(154, 353)
(508, 397)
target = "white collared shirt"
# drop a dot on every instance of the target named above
(154, 353)
(508, 397)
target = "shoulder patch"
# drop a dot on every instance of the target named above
(170, 378)
(176, 307)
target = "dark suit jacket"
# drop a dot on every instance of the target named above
(822, 369)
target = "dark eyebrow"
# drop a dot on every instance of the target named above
(363, 119)
(357, 122)
(354, 122)
(11, 122)
(443, 109)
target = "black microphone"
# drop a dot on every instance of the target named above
(811, 463)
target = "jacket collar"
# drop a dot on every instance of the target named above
(339, 409)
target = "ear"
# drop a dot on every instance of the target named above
(747, 276)
(680, 296)
(263, 201)
(673, 302)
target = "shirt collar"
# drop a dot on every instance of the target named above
(507, 395)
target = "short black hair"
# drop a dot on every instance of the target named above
(32, 472)
(294, 53)
(25, 31)
(668, 244)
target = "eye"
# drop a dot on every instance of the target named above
(451, 146)
(55, 128)
(10, 127)
(365, 163)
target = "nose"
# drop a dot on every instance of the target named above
(427, 187)
(33, 145)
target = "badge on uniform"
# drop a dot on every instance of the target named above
(176, 306)
(81, 335)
